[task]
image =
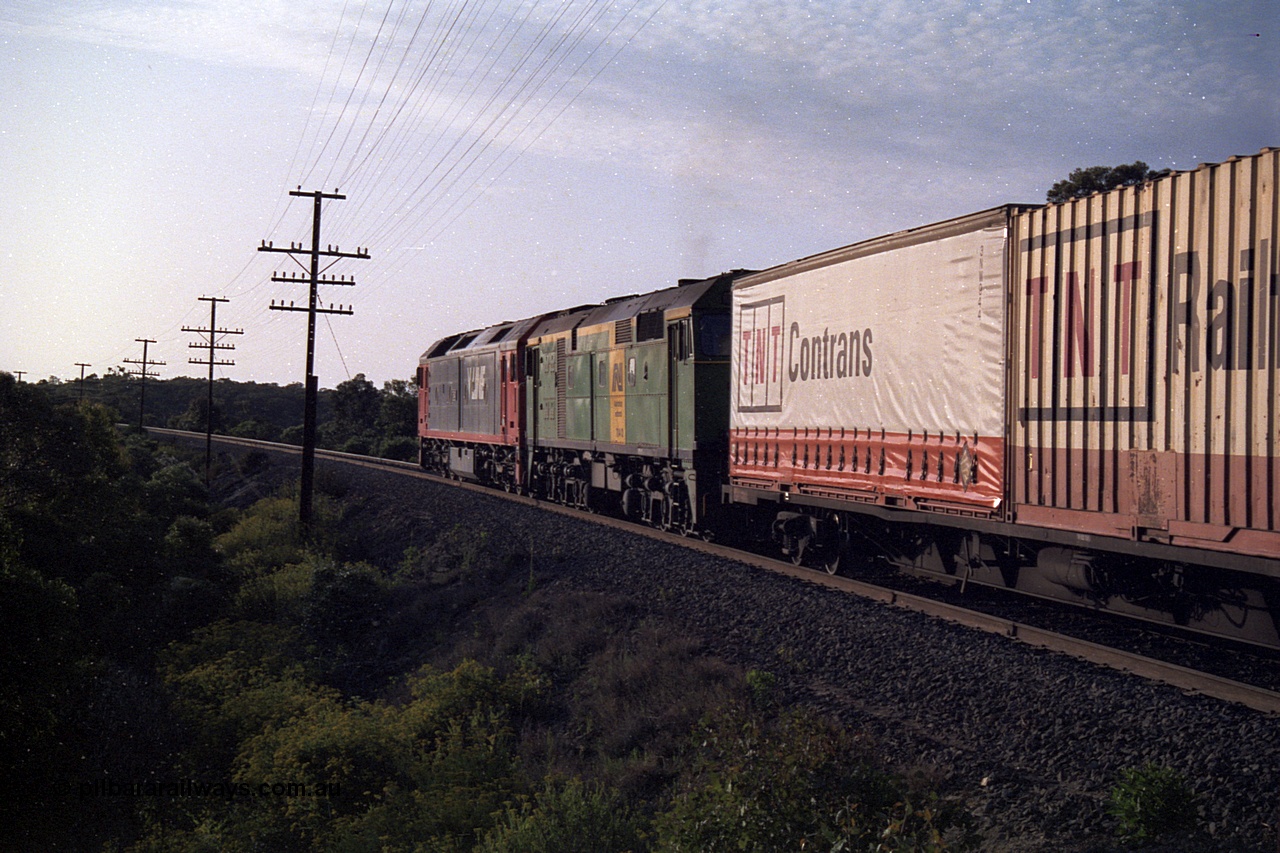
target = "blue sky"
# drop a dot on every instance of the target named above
(501, 159)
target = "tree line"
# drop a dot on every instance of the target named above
(355, 417)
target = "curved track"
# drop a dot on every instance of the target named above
(1182, 677)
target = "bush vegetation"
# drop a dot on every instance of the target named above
(184, 679)
(355, 416)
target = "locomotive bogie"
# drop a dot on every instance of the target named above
(487, 464)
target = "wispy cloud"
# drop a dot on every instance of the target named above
(751, 129)
(943, 83)
(265, 34)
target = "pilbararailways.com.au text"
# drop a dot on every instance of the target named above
(192, 788)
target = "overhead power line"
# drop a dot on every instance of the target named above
(420, 108)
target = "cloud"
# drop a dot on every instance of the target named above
(264, 34)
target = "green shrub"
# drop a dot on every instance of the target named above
(1152, 801)
(344, 603)
(762, 685)
(232, 680)
(457, 554)
(254, 428)
(401, 447)
(573, 817)
(265, 537)
(791, 783)
(278, 596)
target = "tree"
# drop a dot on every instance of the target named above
(195, 418)
(1096, 179)
(355, 412)
(398, 413)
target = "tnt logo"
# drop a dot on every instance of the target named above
(760, 357)
(1079, 332)
(1221, 325)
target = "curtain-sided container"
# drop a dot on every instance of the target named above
(875, 373)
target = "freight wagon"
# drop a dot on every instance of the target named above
(1076, 400)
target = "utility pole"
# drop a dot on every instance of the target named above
(82, 366)
(20, 374)
(212, 345)
(313, 307)
(142, 371)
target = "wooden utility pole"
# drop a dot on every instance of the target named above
(313, 307)
(142, 371)
(212, 345)
(82, 366)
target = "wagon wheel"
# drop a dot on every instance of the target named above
(833, 556)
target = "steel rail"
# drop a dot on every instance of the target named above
(1151, 669)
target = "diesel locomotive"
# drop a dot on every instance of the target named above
(620, 405)
(1074, 400)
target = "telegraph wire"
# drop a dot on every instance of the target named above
(316, 159)
(466, 198)
(373, 44)
(277, 215)
(341, 357)
(450, 113)
(448, 170)
(382, 102)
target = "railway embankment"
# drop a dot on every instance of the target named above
(1033, 745)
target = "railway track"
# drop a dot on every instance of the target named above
(1185, 678)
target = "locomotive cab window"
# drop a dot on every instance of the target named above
(715, 332)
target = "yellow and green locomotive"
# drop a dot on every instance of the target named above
(623, 404)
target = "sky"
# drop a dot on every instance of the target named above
(502, 159)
